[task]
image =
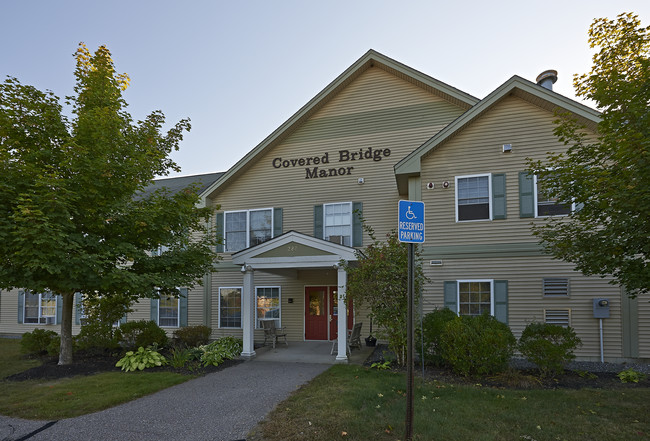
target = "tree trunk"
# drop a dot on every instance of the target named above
(65, 352)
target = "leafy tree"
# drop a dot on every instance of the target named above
(379, 280)
(74, 214)
(608, 175)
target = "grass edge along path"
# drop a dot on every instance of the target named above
(75, 396)
(355, 403)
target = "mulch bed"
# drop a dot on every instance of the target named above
(515, 378)
(94, 364)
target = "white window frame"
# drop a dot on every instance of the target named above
(535, 192)
(489, 179)
(248, 226)
(41, 319)
(241, 293)
(458, 282)
(279, 288)
(351, 224)
(178, 313)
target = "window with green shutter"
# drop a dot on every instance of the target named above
(477, 296)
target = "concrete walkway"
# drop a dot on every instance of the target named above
(224, 405)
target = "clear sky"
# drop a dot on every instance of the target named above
(239, 69)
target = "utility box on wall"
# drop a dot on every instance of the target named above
(601, 308)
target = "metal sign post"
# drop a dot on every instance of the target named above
(411, 231)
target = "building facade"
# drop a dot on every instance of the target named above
(381, 132)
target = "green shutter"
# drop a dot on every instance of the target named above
(499, 196)
(526, 195)
(154, 310)
(77, 308)
(501, 300)
(21, 306)
(182, 304)
(318, 221)
(59, 309)
(451, 295)
(357, 226)
(277, 222)
(220, 233)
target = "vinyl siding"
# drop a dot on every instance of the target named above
(526, 302)
(262, 185)
(644, 326)
(478, 150)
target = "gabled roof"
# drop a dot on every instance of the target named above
(515, 86)
(177, 184)
(368, 60)
(294, 250)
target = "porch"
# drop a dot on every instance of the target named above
(317, 352)
(288, 255)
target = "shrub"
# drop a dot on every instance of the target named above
(479, 345)
(225, 348)
(191, 336)
(141, 359)
(630, 376)
(141, 333)
(97, 337)
(433, 325)
(98, 332)
(184, 357)
(548, 346)
(38, 341)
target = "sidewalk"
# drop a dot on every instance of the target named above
(222, 406)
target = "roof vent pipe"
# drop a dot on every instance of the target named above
(547, 78)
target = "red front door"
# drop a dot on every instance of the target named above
(321, 313)
(316, 313)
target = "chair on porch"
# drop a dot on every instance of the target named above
(353, 339)
(273, 333)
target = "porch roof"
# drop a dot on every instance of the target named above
(294, 250)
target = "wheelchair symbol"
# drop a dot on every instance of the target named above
(409, 214)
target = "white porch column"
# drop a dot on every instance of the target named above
(342, 331)
(248, 312)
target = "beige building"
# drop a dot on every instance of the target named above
(379, 133)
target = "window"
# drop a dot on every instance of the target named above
(561, 317)
(555, 287)
(230, 307)
(547, 205)
(168, 308)
(267, 304)
(247, 228)
(87, 307)
(473, 198)
(338, 223)
(474, 297)
(40, 308)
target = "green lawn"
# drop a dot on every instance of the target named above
(70, 397)
(355, 403)
(11, 360)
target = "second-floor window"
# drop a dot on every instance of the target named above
(338, 223)
(473, 198)
(548, 205)
(247, 228)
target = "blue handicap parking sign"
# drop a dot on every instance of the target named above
(411, 221)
